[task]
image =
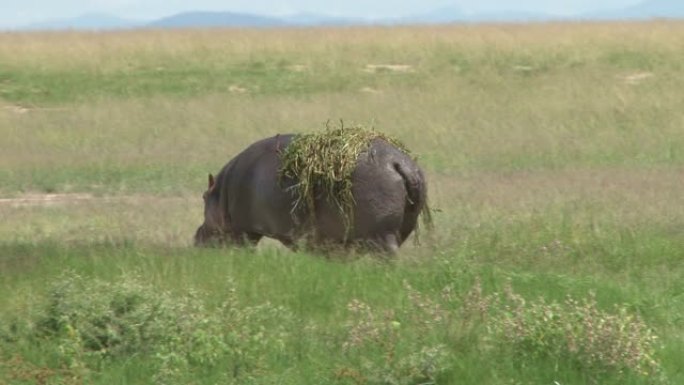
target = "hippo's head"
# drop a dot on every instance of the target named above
(212, 231)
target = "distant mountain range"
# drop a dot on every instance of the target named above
(673, 9)
(646, 10)
(86, 21)
(194, 19)
(215, 19)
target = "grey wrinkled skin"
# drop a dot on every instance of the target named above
(246, 201)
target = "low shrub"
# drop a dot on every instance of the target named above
(419, 342)
(91, 321)
(576, 331)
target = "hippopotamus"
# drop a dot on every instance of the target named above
(250, 199)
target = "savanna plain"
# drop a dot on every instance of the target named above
(555, 162)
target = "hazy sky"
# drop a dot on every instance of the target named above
(19, 12)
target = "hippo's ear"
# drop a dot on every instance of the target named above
(212, 182)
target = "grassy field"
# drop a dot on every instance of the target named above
(555, 162)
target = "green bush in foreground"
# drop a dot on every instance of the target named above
(91, 322)
(577, 332)
(412, 345)
(89, 325)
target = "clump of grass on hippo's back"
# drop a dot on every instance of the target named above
(327, 159)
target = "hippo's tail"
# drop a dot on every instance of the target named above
(416, 189)
(414, 183)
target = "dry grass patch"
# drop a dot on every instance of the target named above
(84, 218)
(120, 50)
(622, 197)
(558, 213)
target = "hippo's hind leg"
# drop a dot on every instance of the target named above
(385, 243)
(246, 238)
(289, 243)
(391, 244)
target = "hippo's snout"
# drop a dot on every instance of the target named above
(204, 236)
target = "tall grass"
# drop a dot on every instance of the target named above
(554, 155)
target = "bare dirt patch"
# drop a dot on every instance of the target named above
(16, 109)
(370, 90)
(36, 199)
(236, 89)
(53, 199)
(523, 68)
(399, 68)
(636, 78)
(298, 68)
(24, 109)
